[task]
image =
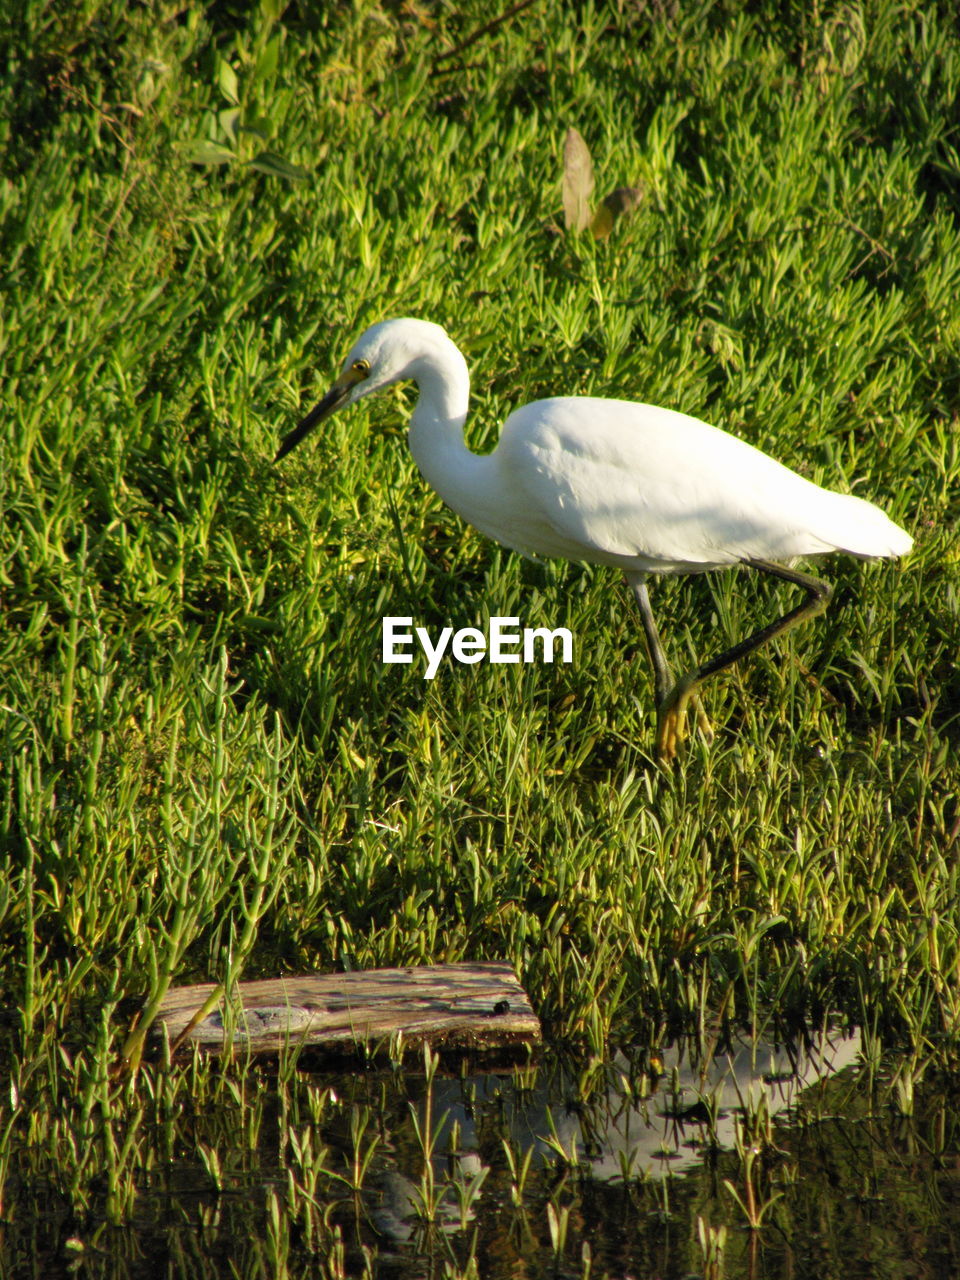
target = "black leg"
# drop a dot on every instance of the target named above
(662, 679)
(670, 728)
(663, 683)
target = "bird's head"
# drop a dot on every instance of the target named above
(385, 353)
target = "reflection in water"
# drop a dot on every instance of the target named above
(611, 1169)
(684, 1109)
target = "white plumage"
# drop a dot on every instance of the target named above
(644, 489)
(649, 489)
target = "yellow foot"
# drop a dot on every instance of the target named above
(672, 723)
(672, 720)
(703, 722)
(669, 733)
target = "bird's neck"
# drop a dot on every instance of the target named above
(436, 429)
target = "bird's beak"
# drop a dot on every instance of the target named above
(330, 403)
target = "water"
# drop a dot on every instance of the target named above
(559, 1170)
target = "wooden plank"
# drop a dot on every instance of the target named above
(459, 1007)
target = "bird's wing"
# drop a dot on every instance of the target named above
(622, 479)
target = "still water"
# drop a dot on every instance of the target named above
(647, 1166)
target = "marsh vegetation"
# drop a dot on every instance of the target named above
(208, 772)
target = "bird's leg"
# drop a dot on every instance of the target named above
(670, 728)
(663, 683)
(672, 717)
(662, 679)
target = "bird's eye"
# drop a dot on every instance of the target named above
(362, 367)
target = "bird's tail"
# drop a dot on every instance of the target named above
(864, 530)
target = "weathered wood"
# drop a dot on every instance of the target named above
(461, 1007)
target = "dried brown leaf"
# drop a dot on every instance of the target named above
(620, 201)
(577, 181)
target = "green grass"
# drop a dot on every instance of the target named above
(206, 768)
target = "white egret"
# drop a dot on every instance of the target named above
(614, 482)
